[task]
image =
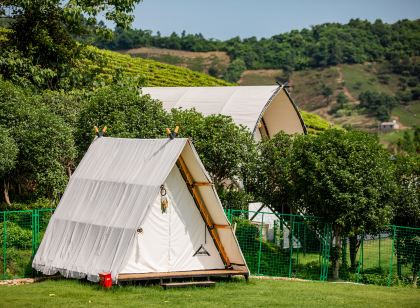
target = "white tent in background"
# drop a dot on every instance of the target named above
(113, 217)
(265, 110)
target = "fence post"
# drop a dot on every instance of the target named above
(325, 252)
(394, 231)
(292, 226)
(260, 248)
(360, 258)
(379, 251)
(4, 245)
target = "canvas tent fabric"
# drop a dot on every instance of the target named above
(112, 201)
(264, 110)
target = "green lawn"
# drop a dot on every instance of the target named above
(256, 293)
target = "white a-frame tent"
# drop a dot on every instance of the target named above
(140, 209)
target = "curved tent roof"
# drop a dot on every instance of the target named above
(255, 107)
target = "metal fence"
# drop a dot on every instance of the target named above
(20, 235)
(273, 244)
(283, 245)
(298, 246)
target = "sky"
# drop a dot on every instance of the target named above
(223, 19)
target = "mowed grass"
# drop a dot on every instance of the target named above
(256, 293)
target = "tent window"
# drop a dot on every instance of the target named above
(263, 129)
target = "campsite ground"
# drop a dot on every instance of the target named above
(256, 293)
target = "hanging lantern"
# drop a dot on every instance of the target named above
(164, 203)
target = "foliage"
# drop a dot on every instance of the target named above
(124, 112)
(314, 123)
(226, 149)
(234, 70)
(378, 104)
(105, 64)
(407, 199)
(44, 142)
(410, 143)
(17, 237)
(330, 180)
(41, 40)
(8, 152)
(270, 182)
(322, 45)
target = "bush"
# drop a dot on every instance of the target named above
(17, 237)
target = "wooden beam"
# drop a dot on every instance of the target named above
(222, 226)
(202, 184)
(202, 208)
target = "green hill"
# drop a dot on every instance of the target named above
(153, 73)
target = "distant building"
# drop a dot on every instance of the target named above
(388, 126)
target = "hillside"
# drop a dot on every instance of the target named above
(213, 62)
(309, 86)
(108, 64)
(309, 91)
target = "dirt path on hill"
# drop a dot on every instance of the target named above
(340, 80)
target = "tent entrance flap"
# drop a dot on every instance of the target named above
(175, 235)
(203, 211)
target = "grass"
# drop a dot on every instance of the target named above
(256, 293)
(260, 77)
(361, 77)
(391, 137)
(408, 115)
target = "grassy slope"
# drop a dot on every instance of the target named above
(307, 90)
(256, 293)
(155, 73)
(196, 61)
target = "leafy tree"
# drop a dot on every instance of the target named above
(330, 179)
(124, 112)
(326, 176)
(227, 150)
(8, 153)
(44, 141)
(378, 104)
(43, 33)
(270, 182)
(407, 212)
(234, 70)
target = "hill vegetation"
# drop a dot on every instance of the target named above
(323, 45)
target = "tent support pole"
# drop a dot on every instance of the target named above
(203, 211)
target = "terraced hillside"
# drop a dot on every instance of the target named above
(153, 73)
(214, 63)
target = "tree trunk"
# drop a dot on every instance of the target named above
(354, 247)
(336, 272)
(6, 193)
(69, 171)
(415, 276)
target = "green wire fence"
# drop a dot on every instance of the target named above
(273, 244)
(20, 235)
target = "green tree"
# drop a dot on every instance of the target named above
(235, 70)
(378, 104)
(8, 153)
(124, 112)
(227, 150)
(270, 182)
(346, 178)
(407, 211)
(343, 177)
(43, 32)
(44, 141)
